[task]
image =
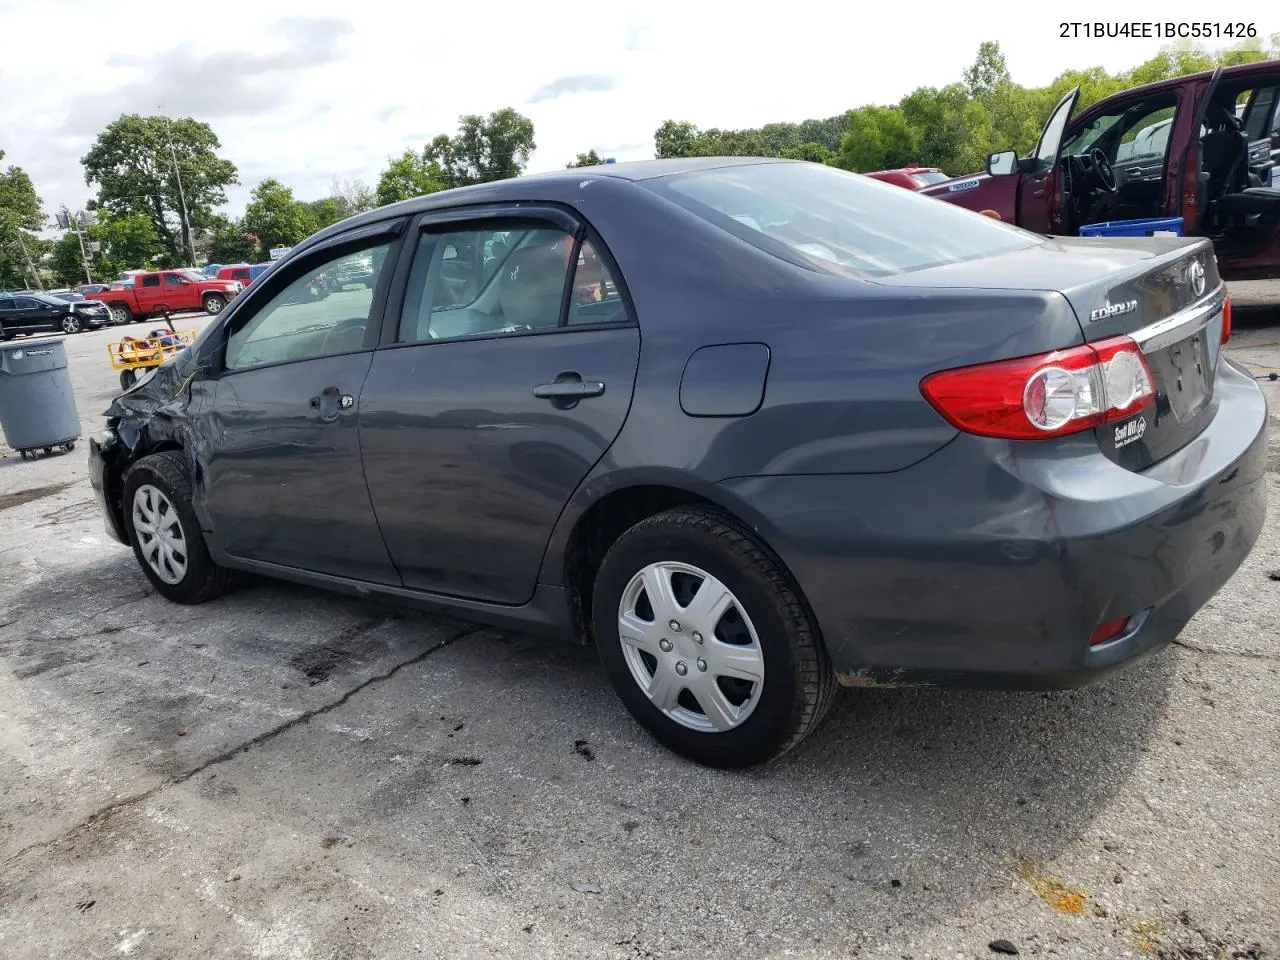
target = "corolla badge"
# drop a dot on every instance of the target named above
(1130, 432)
(1110, 309)
(1195, 277)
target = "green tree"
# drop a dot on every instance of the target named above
(276, 218)
(326, 211)
(66, 262)
(407, 176)
(483, 149)
(229, 241)
(21, 215)
(987, 71)
(354, 195)
(588, 159)
(813, 152)
(675, 138)
(877, 138)
(133, 163)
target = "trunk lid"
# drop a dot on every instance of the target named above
(1163, 291)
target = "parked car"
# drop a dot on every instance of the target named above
(44, 313)
(157, 292)
(85, 289)
(910, 177)
(866, 438)
(1199, 147)
(239, 272)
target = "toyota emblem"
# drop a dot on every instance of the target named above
(1196, 276)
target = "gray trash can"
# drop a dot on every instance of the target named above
(37, 405)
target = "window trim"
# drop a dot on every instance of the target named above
(285, 271)
(457, 219)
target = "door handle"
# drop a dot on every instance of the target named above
(332, 401)
(567, 389)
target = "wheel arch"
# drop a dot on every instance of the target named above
(606, 507)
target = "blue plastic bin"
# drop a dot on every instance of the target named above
(1133, 228)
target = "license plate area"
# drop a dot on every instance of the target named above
(1183, 373)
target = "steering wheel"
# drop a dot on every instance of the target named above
(1102, 167)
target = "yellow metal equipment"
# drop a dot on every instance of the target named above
(134, 354)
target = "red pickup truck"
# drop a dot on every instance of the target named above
(1199, 147)
(166, 291)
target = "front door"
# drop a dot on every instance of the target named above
(1039, 206)
(283, 480)
(510, 375)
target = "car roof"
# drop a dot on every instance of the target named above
(1228, 73)
(533, 187)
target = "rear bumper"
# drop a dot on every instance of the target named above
(991, 563)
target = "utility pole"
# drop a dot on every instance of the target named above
(30, 266)
(182, 198)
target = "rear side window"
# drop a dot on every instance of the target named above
(837, 222)
(503, 279)
(153, 280)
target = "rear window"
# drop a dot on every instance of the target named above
(837, 222)
(926, 177)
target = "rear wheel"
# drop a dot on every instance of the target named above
(165, 533)
(213, 303)
(707, 641)
(128, 378)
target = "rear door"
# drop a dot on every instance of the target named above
(148, 291)
(504, 378)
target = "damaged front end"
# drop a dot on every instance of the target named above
(150, 416)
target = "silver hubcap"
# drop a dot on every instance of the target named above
(120, 314)
(160, 536)
(691, 647)
(213, 305)
(70, 324)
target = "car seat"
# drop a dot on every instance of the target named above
(533, 287)
(1225, 162)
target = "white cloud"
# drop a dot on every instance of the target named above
(306, 90)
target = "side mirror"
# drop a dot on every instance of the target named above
(1002, 164)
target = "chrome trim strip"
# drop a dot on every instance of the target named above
(1184, 323)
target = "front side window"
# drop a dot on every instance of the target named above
(172, 280)
(837, 222)
(305, 319)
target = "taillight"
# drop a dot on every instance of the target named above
(1045, 396)
(1226, 320)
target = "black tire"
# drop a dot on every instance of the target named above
(127, 378)
(214, 304)
(799, 682)
(204, 580)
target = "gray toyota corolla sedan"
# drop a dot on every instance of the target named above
(755, 428)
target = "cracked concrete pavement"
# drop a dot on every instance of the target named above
(285, 773)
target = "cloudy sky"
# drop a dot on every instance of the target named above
(309, 90)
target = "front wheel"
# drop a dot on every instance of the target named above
(707, 641)
(128, 377)
(70, 323)
(120, 314)
(165, 533)
(213, 303)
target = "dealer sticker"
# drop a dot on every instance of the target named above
(1130, 432)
